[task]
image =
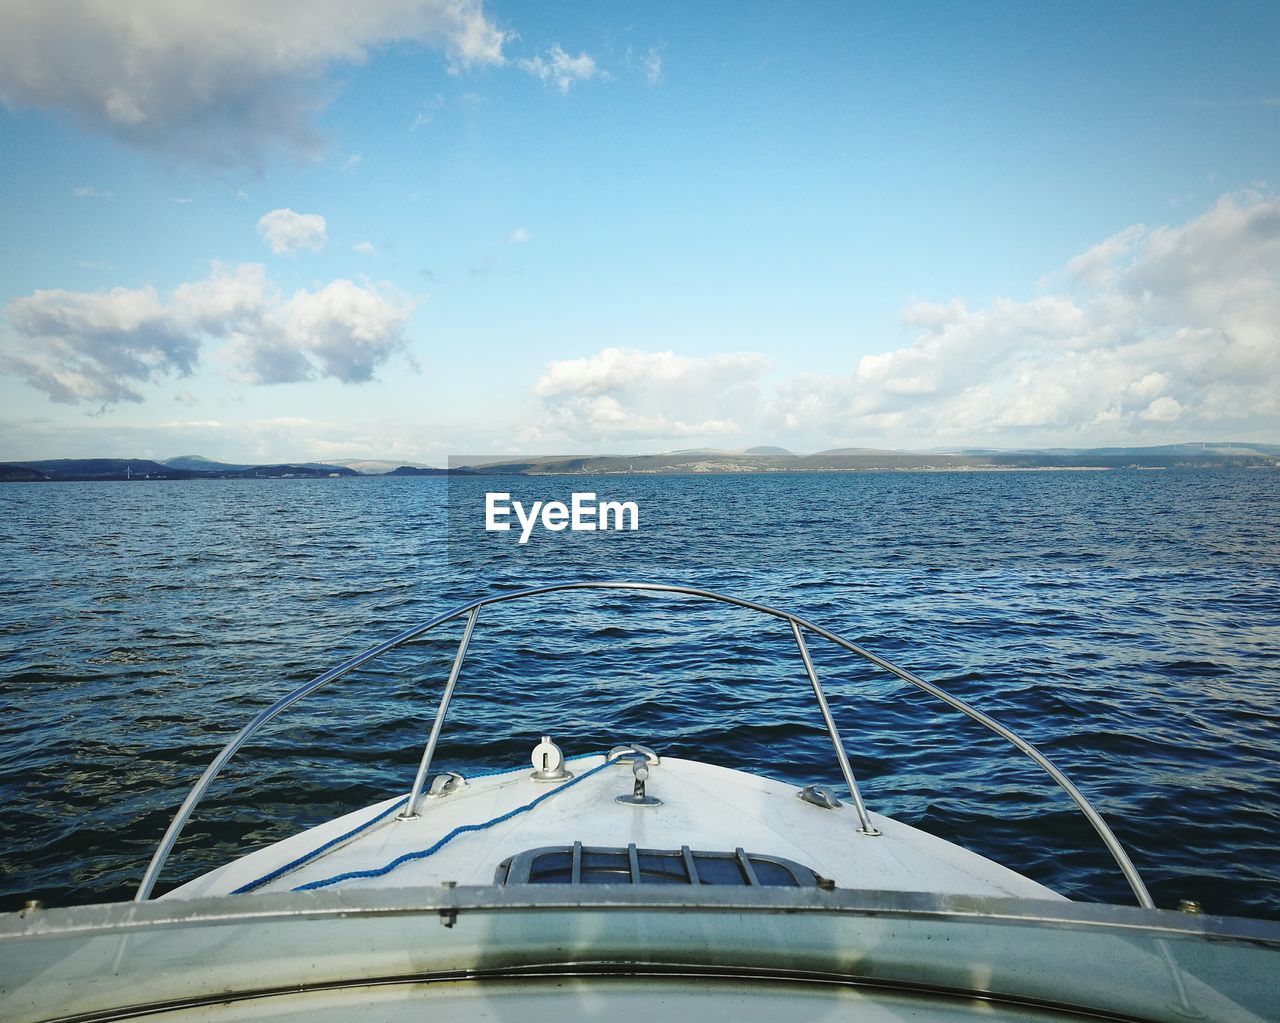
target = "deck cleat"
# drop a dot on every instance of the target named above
(637, 796)
(548, 762)
(446, 785)
(820, 795)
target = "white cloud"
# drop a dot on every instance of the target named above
(190, 424)
(102, 346)
(1164, 334)
(628, 394)
(1151, 384)
(1162, 410)
(1096, 266)
(96, 346)
(345, 330)
(90, 192)
(519, 236)
(288, 232)
(226, 302)
(1172, 325)
(224, 82)
(364, 248)
(352, 162)
(559, 69)
(648, 64)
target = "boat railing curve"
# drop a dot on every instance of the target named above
(799, 626)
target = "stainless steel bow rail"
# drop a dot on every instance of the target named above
(798, 627)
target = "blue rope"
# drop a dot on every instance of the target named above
(308, 857)
(315, 853)
(422, 854)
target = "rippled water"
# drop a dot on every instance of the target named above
(1128, 623)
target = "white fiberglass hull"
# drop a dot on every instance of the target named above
(702, 808)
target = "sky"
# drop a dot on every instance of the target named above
(405, 229)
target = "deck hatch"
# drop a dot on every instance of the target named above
(579, 864)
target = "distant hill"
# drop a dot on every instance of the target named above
(753, 460)
(1199, 450)
(94, 469)
(198, 463)
(377, 466)
(706, 461)
(871, 459)
(303, 469)
(144, 469)
(1165, 456)
(877, 452)
(416, 470)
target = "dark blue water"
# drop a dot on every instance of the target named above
(1126, 622)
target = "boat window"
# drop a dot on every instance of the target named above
(604, 866)
(771, 873)
(662, 868)
(720, 870)
(579, 864)
(553, 868)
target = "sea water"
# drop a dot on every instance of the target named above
(1126, 622)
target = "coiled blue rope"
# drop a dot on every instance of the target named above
(307, 857)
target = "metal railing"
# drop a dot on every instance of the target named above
(798, 627)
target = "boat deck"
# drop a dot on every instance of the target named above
(703, 808)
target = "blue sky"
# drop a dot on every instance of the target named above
(407, 229)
